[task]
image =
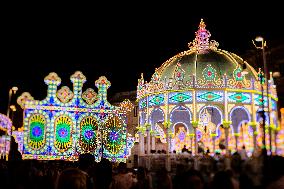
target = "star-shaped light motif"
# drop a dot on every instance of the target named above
(89, 96)
(23, 98)
(78, 76)
(126, 106)
(102, 81)
(65, 94)
(52, 78)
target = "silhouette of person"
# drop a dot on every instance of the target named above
(184, 149)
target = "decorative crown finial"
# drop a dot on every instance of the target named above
(202, 24)
(201, 42)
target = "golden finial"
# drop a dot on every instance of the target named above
(202, 42)
(202, 25)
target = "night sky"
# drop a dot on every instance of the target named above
(117, 40)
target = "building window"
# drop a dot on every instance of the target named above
(135, 111)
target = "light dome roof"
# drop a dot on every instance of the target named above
(204, 53)
(203, 66)
(193, 63)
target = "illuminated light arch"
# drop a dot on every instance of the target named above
(218, 127)
(63, 128)
(143, 118)
(160, 133)
(88, 134)
(210, 117)
(216, 122)
(244, 122)
(259, 117)
(179, 109)
(181, 136)
(37, 123)
(157, 115)
(237, 125)
(113, 138)
(220, 135)
(27, 150)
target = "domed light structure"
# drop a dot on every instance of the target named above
(204, 97)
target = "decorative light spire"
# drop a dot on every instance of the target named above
(201, 42)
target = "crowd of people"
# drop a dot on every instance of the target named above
(224, 172)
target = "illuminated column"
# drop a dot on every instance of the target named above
(148, 126)
(195, 141)
(226, 125)
(153, 147)
(191, 143)
(169, 136)
(253, 110)
(269, 107)
(194, 122)
(226, 118)
(168, 158)
(213, 141)
(237, 140)
(253, 125)
(167, 125)
(276, 130)
(141, 144)
(52, 80)
(253, 121)
(274, 133)
(194, 125)
(167, 122)
(148, 138)
(168, 140)
(78, 79)
(226, 140)
(194, 105)
(141, 130)
(140, 135)
(102, 84)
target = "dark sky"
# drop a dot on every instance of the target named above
(118, 40)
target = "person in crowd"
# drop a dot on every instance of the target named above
(177, 180)
(207, 151)
(124, 179)
(103, 174)
(163, 179)
(243, 153)
(72, 178)
(191, 179)
(143, 181)
(14, 154)
(222, 180)
(184, 149)
(86, 164)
